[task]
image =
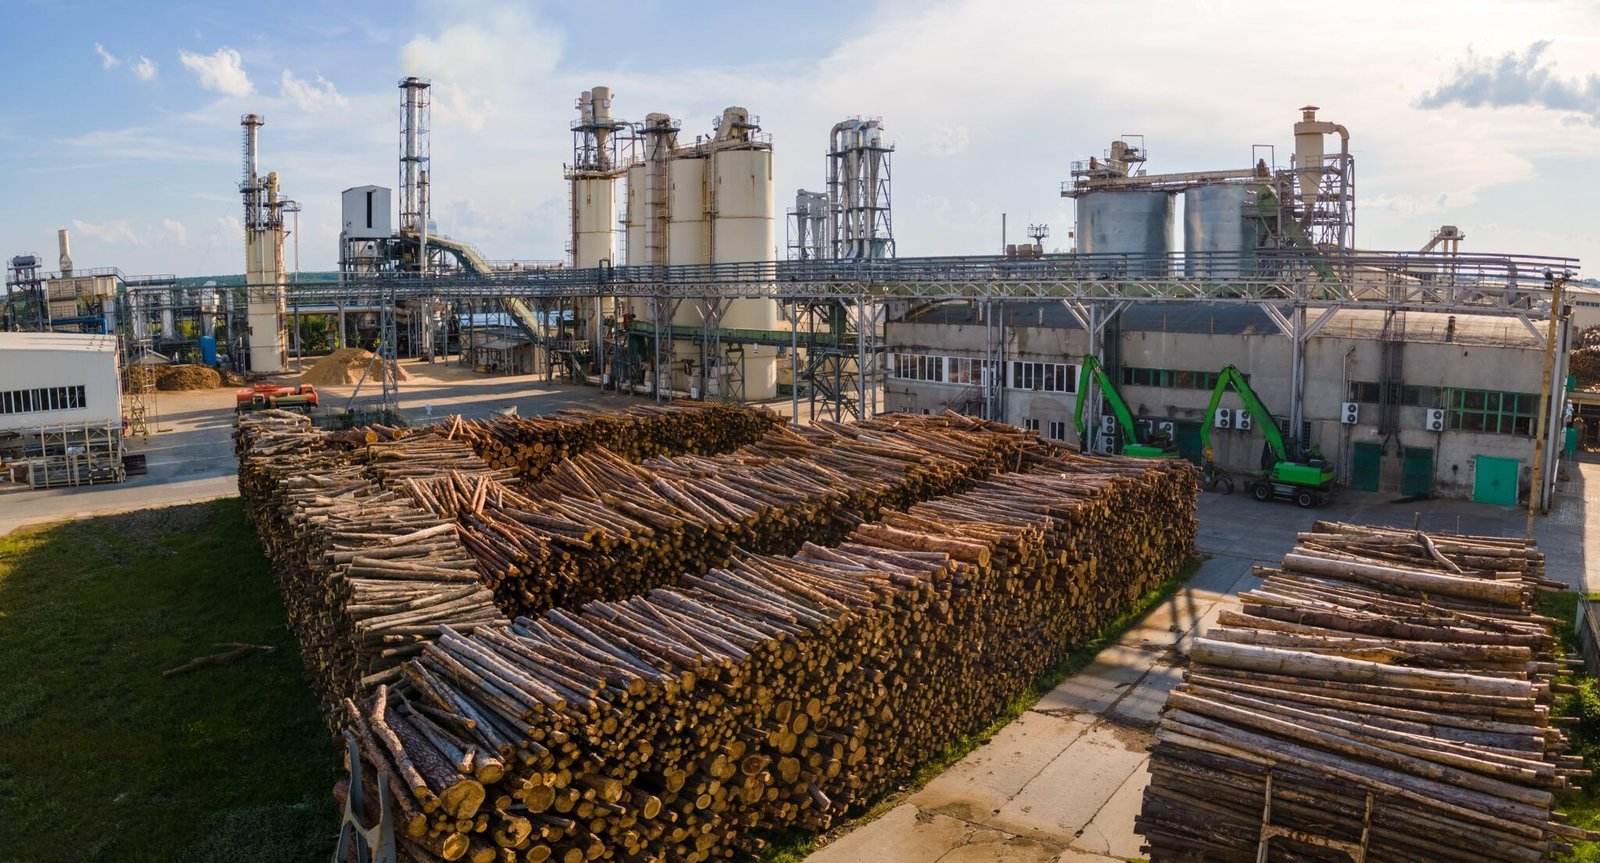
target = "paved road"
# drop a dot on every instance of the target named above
(1063, 783)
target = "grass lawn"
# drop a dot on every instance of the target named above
(1582, 807)
(101, 758)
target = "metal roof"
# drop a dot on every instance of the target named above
(91, 342)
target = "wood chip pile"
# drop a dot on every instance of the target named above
(530, 445)
(599, 527)
(1395, 666)
(773, 692)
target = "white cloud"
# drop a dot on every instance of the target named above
(222, 71)
(145, 69)
(118, 232)
(310, 95)
(175, 230)
(107, 59)
(485, 57)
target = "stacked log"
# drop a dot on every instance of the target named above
(1396, 670)
(777, 691)
(530, 445)
(366, 575)
(597, 526)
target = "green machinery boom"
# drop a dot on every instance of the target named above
(1132, 446)
(1305, 482)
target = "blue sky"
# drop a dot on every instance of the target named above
(122, 118)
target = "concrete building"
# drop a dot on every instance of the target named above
(60, 408)
(1464, 389)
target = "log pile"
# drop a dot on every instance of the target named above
(772, 692)
(597, 526)
(366, 575)
(1389, 666)
(530, 445)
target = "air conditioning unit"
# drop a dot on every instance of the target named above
(1224, 419)
(1108, 425)
(1242, 420)
(1435, 419)
(1350, 413)
(1171, 429)
(1108, 444)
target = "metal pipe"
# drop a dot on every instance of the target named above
(833, 187)
(1536, 482)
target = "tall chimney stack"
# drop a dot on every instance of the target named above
(66, 252)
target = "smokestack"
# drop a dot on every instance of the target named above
(66, 252)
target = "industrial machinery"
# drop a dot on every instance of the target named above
(1305, 479)
(1159, 444)
(302, 397)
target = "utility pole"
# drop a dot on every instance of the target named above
(1540, 432)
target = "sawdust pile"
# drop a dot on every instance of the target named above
(174, 378)
(344, 367)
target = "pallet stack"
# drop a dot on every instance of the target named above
(776, 691)
(1394, 679)
(597, 526)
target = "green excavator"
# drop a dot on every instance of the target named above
(1158, 445)
(1307, 479)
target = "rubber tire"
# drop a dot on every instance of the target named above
(1305, 499)
(1261, 491)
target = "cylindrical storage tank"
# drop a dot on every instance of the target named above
(1219, 231)
(742, 232)
(635, 216)
(594, 217)
(687, 237)
(208, 350)
(1136, 224)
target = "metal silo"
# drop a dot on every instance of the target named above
(1136, 224)
(1219, 230)
(635, 216)
(686, 211)
(742, 232)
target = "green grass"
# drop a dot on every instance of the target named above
(1582, 807)
(792, 846)
(103, 759)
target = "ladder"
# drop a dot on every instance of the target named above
(1357, 851)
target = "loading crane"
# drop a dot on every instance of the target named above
(1306, 479)
(1159, 445)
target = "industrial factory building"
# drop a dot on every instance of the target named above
(60, 407)
(1460, 421)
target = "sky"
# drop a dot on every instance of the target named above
(121, 122)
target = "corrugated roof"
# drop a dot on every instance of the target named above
(93, 342)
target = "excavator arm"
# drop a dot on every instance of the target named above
(1232, 377)
(1093, 370)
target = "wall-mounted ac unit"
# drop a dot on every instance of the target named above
(1108, 444)
(1224, 418)
(1108, 425)
(1171, 429)
(1242, 420)
(1435, 419)
(1350, 413)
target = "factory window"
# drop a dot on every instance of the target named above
(42, 399)
(1042, 377)
(918, 367)
(1058, 430)
(1493, 412)
(1030, 424)
(966, 370)
(1133, 376)
(1405, 395)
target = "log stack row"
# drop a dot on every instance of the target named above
(530, 445)
(597, 526)
(366, 575)
(1393, 679)
(777, 691)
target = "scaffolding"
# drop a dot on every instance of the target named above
(68, 455)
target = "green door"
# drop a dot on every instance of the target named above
(1416, 470)
(1188, 435)
(1366, 460)
(1495, 480)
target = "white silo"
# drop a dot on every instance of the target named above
(635, 216)
(686, 229)
(742, 232)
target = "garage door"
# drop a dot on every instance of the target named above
(1416, 470)
(1495, 480)
(1366, 461)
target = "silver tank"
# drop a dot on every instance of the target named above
(1137, 224)
(1219, 237)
